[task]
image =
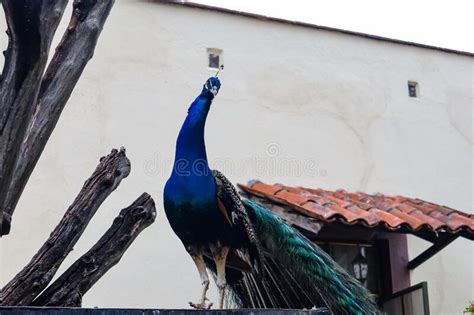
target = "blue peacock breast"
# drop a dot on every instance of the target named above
(191, 208)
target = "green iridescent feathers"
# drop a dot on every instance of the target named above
(297, 273)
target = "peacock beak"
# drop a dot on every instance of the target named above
(214, 90)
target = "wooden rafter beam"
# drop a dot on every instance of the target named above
(430, 252)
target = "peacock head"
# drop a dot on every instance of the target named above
(211, 87)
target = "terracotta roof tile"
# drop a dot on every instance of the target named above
(461, 221)
(444, 210)
(432, 222)
(454, 221)
(390, 212)
(414, 222)
(291, 197)
(405, 208)
(369, 217)
(266, 189)
(349, 216)
(319, 211)
(340, 202)
(392, 222)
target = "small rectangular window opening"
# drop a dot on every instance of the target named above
(214, 58)
(412, 89)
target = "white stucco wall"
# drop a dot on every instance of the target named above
(329, 109)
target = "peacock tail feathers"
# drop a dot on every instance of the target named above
(296, 273)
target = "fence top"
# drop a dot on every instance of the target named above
(15, 310)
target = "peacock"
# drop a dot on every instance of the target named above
(260, 260)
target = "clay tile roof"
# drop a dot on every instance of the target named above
(389, 212)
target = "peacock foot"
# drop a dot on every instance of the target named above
(201, 306)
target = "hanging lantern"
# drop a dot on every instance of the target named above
(360, 266)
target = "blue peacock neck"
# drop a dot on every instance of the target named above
(191, 157)
(191, 180)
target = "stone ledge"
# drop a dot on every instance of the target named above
(124, 311)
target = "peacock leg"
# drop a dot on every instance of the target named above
(220, 256)
(199, 261)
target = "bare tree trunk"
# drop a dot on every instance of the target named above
(71, 286)
(35, 276)
(76, 48)
(30, 103)
(31, 27)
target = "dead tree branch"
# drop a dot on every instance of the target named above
(31, 102)
(72, 55)
(31, 27)
(35, 276)
(71, 286)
